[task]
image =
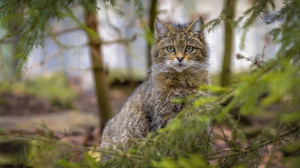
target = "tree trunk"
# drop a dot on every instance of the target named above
(229, 42)
(101, 85)
(152, 15)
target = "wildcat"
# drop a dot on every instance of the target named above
(180, 60)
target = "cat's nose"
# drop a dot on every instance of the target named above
(180, 59)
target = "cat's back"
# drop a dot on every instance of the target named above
(130, 122)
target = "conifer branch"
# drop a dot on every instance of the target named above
(232, 153)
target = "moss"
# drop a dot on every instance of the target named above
(53, 88)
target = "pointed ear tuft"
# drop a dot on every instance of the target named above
(161, 28)
(196, 27)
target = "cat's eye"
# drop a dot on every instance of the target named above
(170, 49)
(189, 49)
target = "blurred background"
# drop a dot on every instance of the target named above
(58, 90)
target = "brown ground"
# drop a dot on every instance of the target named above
(27, 113)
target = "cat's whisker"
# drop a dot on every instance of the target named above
(193, 68)
(162, 69)
(157, 65)
(154, 67)
(158, 71)
(157, 68)
(200, 64)
(205, 59)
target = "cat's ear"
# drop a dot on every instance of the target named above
(196, 27)
(161, 28)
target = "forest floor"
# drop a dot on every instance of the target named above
(21, 112)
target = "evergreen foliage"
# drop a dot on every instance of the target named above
(31, 19)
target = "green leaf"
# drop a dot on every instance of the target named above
(204, 100)
(66, 164)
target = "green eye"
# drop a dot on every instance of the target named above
(189, 48)
(170, 49)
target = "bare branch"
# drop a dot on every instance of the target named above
(257, 61)
(120, 41)
(58, 33)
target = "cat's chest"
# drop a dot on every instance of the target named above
(158, 106)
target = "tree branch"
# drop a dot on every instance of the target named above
(63, 31)
(120, 41)
(250, 148)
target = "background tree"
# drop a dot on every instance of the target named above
(229, 11)
(101, 85)
(152, 16)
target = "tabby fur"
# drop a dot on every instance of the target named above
(174, 74)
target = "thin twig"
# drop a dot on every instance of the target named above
(58, 33)
(53, 141)
(209, 135)
(120, 41)
(250, 148)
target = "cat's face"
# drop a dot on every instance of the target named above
(179, 47)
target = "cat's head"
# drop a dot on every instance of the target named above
(179, 47)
